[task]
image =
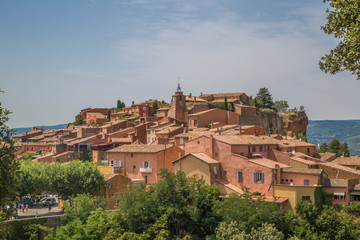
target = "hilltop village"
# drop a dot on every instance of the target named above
(222, 138)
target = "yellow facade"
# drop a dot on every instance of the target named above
(294, 193)
(297, 164)
(191, 166)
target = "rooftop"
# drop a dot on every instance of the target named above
(347, 161)
(335, 183)
(268, 163)
(313, 171)
(308, 162)
(142, 148)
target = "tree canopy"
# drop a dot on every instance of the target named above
(8, 162)
(79, 120)
(120, 105)
(343, 22)
(69, 179)
(155, 107)
(335, 147)
(264, 99)
(281, 106)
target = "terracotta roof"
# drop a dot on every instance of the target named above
(193, 134)
(197, 99)
(120, 139)
(268, 163)
(142, 148)
(96, 115)
(276, 199)
(326, 156)
(109, 176)
(246, 139)
(204, 158)
(335, 183)
(340, 167)
(222, 94)
(28, 133)
(347, 161)
(163, 109)
(168, 129)
(313, 171)
(308, 162)
(112, 123)
(206, 111)
(230, 186)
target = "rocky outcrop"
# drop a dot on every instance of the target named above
(294, 123)
(270, 121)
(282, 123)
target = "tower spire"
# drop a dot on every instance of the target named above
(178, 87)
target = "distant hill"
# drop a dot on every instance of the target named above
(22, 130)
(347, 131)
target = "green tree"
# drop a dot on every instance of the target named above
(108, 115)
(281, 106)
(154, 108)
(344, 149)
(8, 162)
(266, 98)
(118, 104)
(343, 23)
(226, 104)
(324, 148)
(79, 120)
(302, 108)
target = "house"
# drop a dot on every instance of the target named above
(103, 111)
(142, 109)
(95, 118)
(143, 161)
(162, 112)
(23, 137)
(240, 98)
(116, 116)
(351, 162)
(205, 118)
(251, 130)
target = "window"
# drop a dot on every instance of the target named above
(225, 173)
(255, 131)
(181, 140)
(265, 148)
(113, 163)
(121, 163)
(195, 122)
(215, 171)
(306, 182)
(260, 148)
(254, 149)
(306, 199)
(216, 155)
(132, 155)
(198, 142)
(146, 164)
(286, 180)
(239, 176)
(146, 179)
(144, 108)
(258, 177)
(190, 122)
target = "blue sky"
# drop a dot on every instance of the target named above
(57, 57)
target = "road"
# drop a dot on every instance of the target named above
(41, 211)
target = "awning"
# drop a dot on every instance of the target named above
(355, 193)
(339, 193)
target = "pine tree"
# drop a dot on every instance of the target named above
(226, 104)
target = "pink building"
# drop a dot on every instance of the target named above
(143, 161)
(204, 118)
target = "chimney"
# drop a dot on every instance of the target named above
(132, 103)
(190, 95)
(194, 99)
(239, 129)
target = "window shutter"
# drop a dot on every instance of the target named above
(239, 176)
(148, 164)
(262, 177)
(143, 165)
(254, 176)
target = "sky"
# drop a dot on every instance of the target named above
(58, 57)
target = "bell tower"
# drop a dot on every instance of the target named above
(178, 109)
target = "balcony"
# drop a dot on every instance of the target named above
(146, 170)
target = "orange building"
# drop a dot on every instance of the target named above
(142, 109)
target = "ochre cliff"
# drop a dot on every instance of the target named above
(282, 123)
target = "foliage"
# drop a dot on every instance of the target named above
(68, 179)
(264, 98)
(119, 105)
(249, 210)
(108, 115)
(28, 156)
(226, 104)
(322, 198)
(79, 120)
(8, 162)
(2, 225)
(302, 108)
(155, 107)
(353, 209)
(335, 147)
(281, 106)
(88, 155)
(22, 228)
(343, 23)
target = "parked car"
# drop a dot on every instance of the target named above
(49, 201)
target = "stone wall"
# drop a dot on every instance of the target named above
(296, 123)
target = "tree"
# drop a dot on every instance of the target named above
(324, 148)
(120, 105)
(343, 24)
(8, 162)
(108, 116)
(302, 108)
(154, 108)
(79, 120)
(226, 104)
(281, 106)
(266, 98)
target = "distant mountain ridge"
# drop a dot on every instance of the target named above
(321, 131)
(22, 130)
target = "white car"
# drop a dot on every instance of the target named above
(49, 201)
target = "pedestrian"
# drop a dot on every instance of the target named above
(49, 208)
(27, 207)
(36, 214)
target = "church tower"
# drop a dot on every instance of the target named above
(178, 109)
